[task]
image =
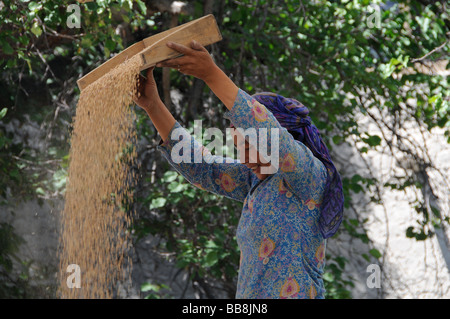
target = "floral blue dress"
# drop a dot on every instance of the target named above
(282, 248)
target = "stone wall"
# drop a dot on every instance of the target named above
(409, 268)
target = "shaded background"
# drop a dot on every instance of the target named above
(374, 75)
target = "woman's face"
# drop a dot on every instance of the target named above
(249, 156)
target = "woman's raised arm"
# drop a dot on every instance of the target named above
(220, 175)
(148, 99)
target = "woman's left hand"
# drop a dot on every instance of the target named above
(196, 61)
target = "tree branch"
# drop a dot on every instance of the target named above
(430, 53)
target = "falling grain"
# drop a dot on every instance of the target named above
(94, 223)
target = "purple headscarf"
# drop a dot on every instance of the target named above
(293, 115)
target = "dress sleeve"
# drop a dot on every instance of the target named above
(220, 175)
(302, 171)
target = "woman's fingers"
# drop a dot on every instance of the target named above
(145, 88)
(140, 86)
(143, 81)
(197, 46)
(186, 51)
(180, 48)
(173, 63)
(139, 97)
(196, 60)
(194, 46)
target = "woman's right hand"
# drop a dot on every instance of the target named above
(147, 91)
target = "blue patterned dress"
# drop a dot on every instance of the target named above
(282, 248)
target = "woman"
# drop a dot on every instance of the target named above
(288, 214)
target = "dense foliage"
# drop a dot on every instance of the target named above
(340, 58)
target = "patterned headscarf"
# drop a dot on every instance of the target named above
(293, 115)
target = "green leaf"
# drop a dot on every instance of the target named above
(337, 139)
(142, 7)
(354, 222)
(341, 262)
(372, 140)
(211, 258)
(366, 257)
(34, 6)
(110, 44)
(3, 112)
(107, 53)
(176, 187)
(158, 202)
(150, 287)
(375, 253)
(434, 98)
(40, 191)
(410, 232)
(356, 187)
(36, 29)
(363, 150)
(86, 42)
(387, 69)
(6, 47)
(169, 176)
(328, 277)
(211, 244)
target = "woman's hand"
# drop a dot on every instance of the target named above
(147, 91)
(196, 61)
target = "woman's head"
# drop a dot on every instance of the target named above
(294, 117)
(279, 106)
(249, 155)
